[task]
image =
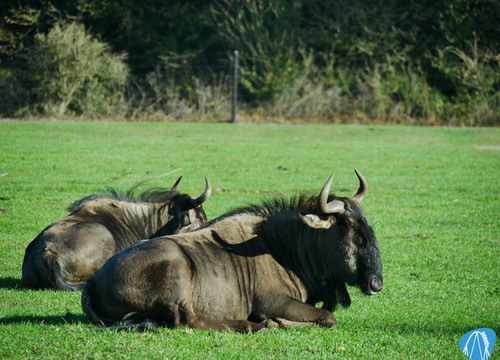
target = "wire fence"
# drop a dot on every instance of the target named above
(213, 86)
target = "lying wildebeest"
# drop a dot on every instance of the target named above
(71, 250)
(258, 263)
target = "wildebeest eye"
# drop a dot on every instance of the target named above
(358, 240)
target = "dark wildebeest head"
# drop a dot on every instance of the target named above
(261, 263)
(71, 250)
(355, 259)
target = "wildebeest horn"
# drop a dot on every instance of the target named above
(206, 194)
(332, 207)
(360, 195)
(176, 186)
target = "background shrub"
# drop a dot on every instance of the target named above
(75, 74)
(393, 61)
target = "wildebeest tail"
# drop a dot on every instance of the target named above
(131, 324)
(54, 270)
(88, 305)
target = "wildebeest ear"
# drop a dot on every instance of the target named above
(316, 222)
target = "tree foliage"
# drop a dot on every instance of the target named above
(386, 59)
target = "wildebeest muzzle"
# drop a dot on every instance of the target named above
(375, 285)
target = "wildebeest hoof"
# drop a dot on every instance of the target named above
(330, 322)
(264, 330)
(268, 323)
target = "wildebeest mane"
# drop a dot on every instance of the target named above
(151, 195)
(303, 203)
(126, 227)
(126, 230)
(277, 205)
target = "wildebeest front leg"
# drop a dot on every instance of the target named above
(292, 313)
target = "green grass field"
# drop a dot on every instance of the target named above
(433, 201)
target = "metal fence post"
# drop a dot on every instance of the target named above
(235, 88)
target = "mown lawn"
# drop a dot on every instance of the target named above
(433, 202)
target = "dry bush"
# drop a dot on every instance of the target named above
(76, 74)
(168, 95)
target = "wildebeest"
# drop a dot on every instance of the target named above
(239, 271)
(71, 250)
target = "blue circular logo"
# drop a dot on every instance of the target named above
(478, 344)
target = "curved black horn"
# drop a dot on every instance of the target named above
(206, 194)
(332, 207)
(363, 186)
(176, 186)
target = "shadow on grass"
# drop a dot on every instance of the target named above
(68, 319)
(11, 283)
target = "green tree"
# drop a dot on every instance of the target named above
(149, 30)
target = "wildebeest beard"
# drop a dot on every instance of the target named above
(335, 291)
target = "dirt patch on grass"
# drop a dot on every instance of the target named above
(488, 147)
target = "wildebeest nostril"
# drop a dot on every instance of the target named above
(376, 284)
